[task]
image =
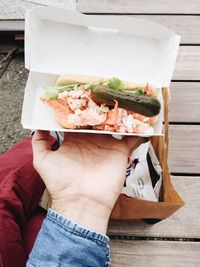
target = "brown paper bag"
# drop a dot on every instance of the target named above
(131, 208)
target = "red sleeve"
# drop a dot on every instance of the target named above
(20, 191)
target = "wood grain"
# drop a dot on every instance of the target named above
(185, 102)
(187, 65)
(184, 148)
(154, 253)
(139, 6)
(11, 25)
(188, 27)
(184, 223)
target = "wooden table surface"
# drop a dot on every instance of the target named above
(176, 240)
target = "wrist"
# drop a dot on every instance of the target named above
(83, 211)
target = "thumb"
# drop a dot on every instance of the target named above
(40, 143)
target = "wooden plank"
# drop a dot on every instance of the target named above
(154, 253)
(184, 148)
(11, 25)
(19, 36)
(187, 65)
(185, 102)
(188, 27)
(140, 6)
(184, 223)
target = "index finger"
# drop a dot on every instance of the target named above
(40, 142)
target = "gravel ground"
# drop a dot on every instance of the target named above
(12, 85)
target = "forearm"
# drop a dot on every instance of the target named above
(61, 242)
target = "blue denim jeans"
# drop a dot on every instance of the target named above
(61, 242)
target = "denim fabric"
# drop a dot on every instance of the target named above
(61, 242)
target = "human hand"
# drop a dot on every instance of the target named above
(85, 175)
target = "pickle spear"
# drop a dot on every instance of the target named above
(145, 105)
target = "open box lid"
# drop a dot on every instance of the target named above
(59, 41)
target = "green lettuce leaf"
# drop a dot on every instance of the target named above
(53, 92)
(115, 84)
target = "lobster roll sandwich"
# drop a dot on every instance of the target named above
(86, 102)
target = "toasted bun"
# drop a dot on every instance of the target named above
(76, 79)
(133, 86)
(85, 79)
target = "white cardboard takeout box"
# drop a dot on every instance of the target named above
(59, 41)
